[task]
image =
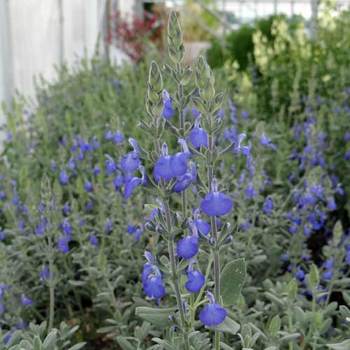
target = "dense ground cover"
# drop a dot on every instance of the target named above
(242, 194)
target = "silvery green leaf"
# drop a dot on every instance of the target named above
(156, 316)
(228, 326)
(37, 344)
(345, 345)
(275, 326)
(232, 280)
(50, 340)
(124, 343)
(77, 346)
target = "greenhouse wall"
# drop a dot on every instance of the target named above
(37, 35)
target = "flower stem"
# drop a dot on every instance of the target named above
(51, 287)
(171, 250)
(214, 231)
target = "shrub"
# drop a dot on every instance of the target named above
(239, 46)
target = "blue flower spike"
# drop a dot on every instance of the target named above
(212, 314)
(216, 203)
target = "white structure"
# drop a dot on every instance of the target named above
(36, 35)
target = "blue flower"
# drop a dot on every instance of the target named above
(109, 135)
(63, 178)
(245, 115)
(266, 142)
(25, 301)
(118, 182)
(300, 274)
(212, 314)
(327, 275)
(151, 277)
(93, 240)
(41, 227)
(198, 136)
(153, 286)
(96, 170)
(179, 161)
(268, 206)
(88, 187)
(110, 166)
(131, 184)
(216, 203)
(187, 247)
(44, 273)
(71, 164)
(328, 264)
(195, 112)
(167, 167)
(2, 195)
(182, 182)
(118, 138)
(203, 226)
(135, 231)
(63, 244)
(168, 110)
(66, 208)
(162, 168)
(250, 191)
(66, 227)
(347, 257)
(130, 162)
(331, 205)
(195, 281)
(2, 235)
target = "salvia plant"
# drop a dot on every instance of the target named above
(189, 219)
(204, 228)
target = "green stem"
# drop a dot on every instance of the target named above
(214, 231)
(52, 307)
(174, 277)
(51, 287)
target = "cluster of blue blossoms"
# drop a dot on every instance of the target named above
(179, 169)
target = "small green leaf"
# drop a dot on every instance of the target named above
(232, 279)
(156, 316)
(337, 232)
(275, 326)
(228, 326)
(124, 343)
(37, 344)
(50, 340)
(77, 346)
(345, 345)
(292, 289)
(314, 277)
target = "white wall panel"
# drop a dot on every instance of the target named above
(35, 39)
(43, 33)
